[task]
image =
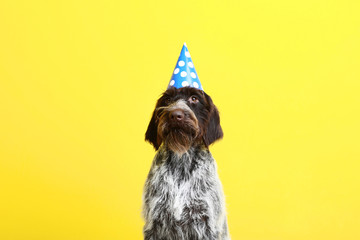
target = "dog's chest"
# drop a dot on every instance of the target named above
(181, 185)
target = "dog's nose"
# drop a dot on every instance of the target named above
(177, 115)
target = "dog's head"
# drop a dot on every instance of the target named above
(183, 118)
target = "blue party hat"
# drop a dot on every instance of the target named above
(184, 74)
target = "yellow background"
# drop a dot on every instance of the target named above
(79, 80)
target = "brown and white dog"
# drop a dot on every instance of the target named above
(183, 196)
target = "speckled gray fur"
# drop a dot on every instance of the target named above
(183, 197)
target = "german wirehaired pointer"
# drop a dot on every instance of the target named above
(183, 196)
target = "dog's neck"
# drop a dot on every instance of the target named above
(196, 151)
(191, 150)
(182, 166)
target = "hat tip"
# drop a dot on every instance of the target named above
(185, 44)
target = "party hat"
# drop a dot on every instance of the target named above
(184, 74)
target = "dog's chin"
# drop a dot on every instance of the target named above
(179, 139)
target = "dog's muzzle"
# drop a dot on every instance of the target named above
(178, 115)
(178, 126)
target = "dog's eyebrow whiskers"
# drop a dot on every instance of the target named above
(160, 108)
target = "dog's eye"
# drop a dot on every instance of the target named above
(193, 99)
(167, 100)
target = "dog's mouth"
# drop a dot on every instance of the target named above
(189, 129)
(187, 126)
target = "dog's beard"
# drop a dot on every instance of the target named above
(179, 141)
(178, 138)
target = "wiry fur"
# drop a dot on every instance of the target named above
(178, 140)
(183, 196)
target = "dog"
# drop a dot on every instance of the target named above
(183, 196)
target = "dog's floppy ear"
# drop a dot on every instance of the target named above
(151, 133)
(213, 131)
